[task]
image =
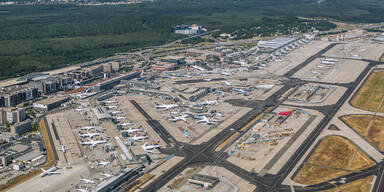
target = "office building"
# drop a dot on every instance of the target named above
(21, 127)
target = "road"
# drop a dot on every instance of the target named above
(205, 154)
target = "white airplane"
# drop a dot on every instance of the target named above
(179, 118)
(111, 107)
(87, 181)
(206, 102)
(241, 91)
(116, 112)
(228, 83)
(91, 135)
(226, 73)
(88, 128)
(103, 163)
(80, 110)
(206, 120)
(126, 124)
(93, 142)
(106, 175)
(120, 118)
(150, 148)
(207, 79)
(264, 86)
(82, 190)
(138, 138)
(63, 148)
(132, 131)
(166, 107)
(49, 172)
(110, 101)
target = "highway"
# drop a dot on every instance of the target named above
(205, 154)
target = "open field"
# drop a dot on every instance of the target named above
(361, 185)
(334, 156)
(371, 93)
(368, 126)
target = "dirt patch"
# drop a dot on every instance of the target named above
(369, 126)
(334, 156)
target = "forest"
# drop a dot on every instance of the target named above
(43, 37)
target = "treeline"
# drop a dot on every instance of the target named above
(35, 38)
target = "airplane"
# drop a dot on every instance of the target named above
(132, 131)
(149, 148)
(110, 101)
(111, 107)
(138, 138)
(106, 175)
(206, 102)
(103, 163)
(116, 112)
(207, 79)
(181, 118)
(80, 110)
(225, 73)
(126, 124)
(49, 172)
(91, 135)
(93, 142)
(88, 128)
(166, 107)
(264, 86)
(187, 134)
(82, 190)
(120, 118)
(206, 120)
(87, 181)
(327, 62)
(241, 91)
(228, 83)
(63, 149)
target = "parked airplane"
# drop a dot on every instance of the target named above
(179, 118)
(264, 86)
(138, 138)
(63, 148)
(116, 112)
(103, 163)
(241, 91)
(106, 175)
(88, 128)
(166, 107)
(226, 73)
(133, 131)
(111, 107)
(90, 135)
(206, 120)
(87, 181)
(120, 118)
(150, 148)
(80, 110)
(110, 101)
(126, 124)
(49, 172)
(206, 102)
(186, 133)
(93, 142)
(82, 190)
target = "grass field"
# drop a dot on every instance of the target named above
(360, 185)
(371, 93)
(334, 156)
(370, 128)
